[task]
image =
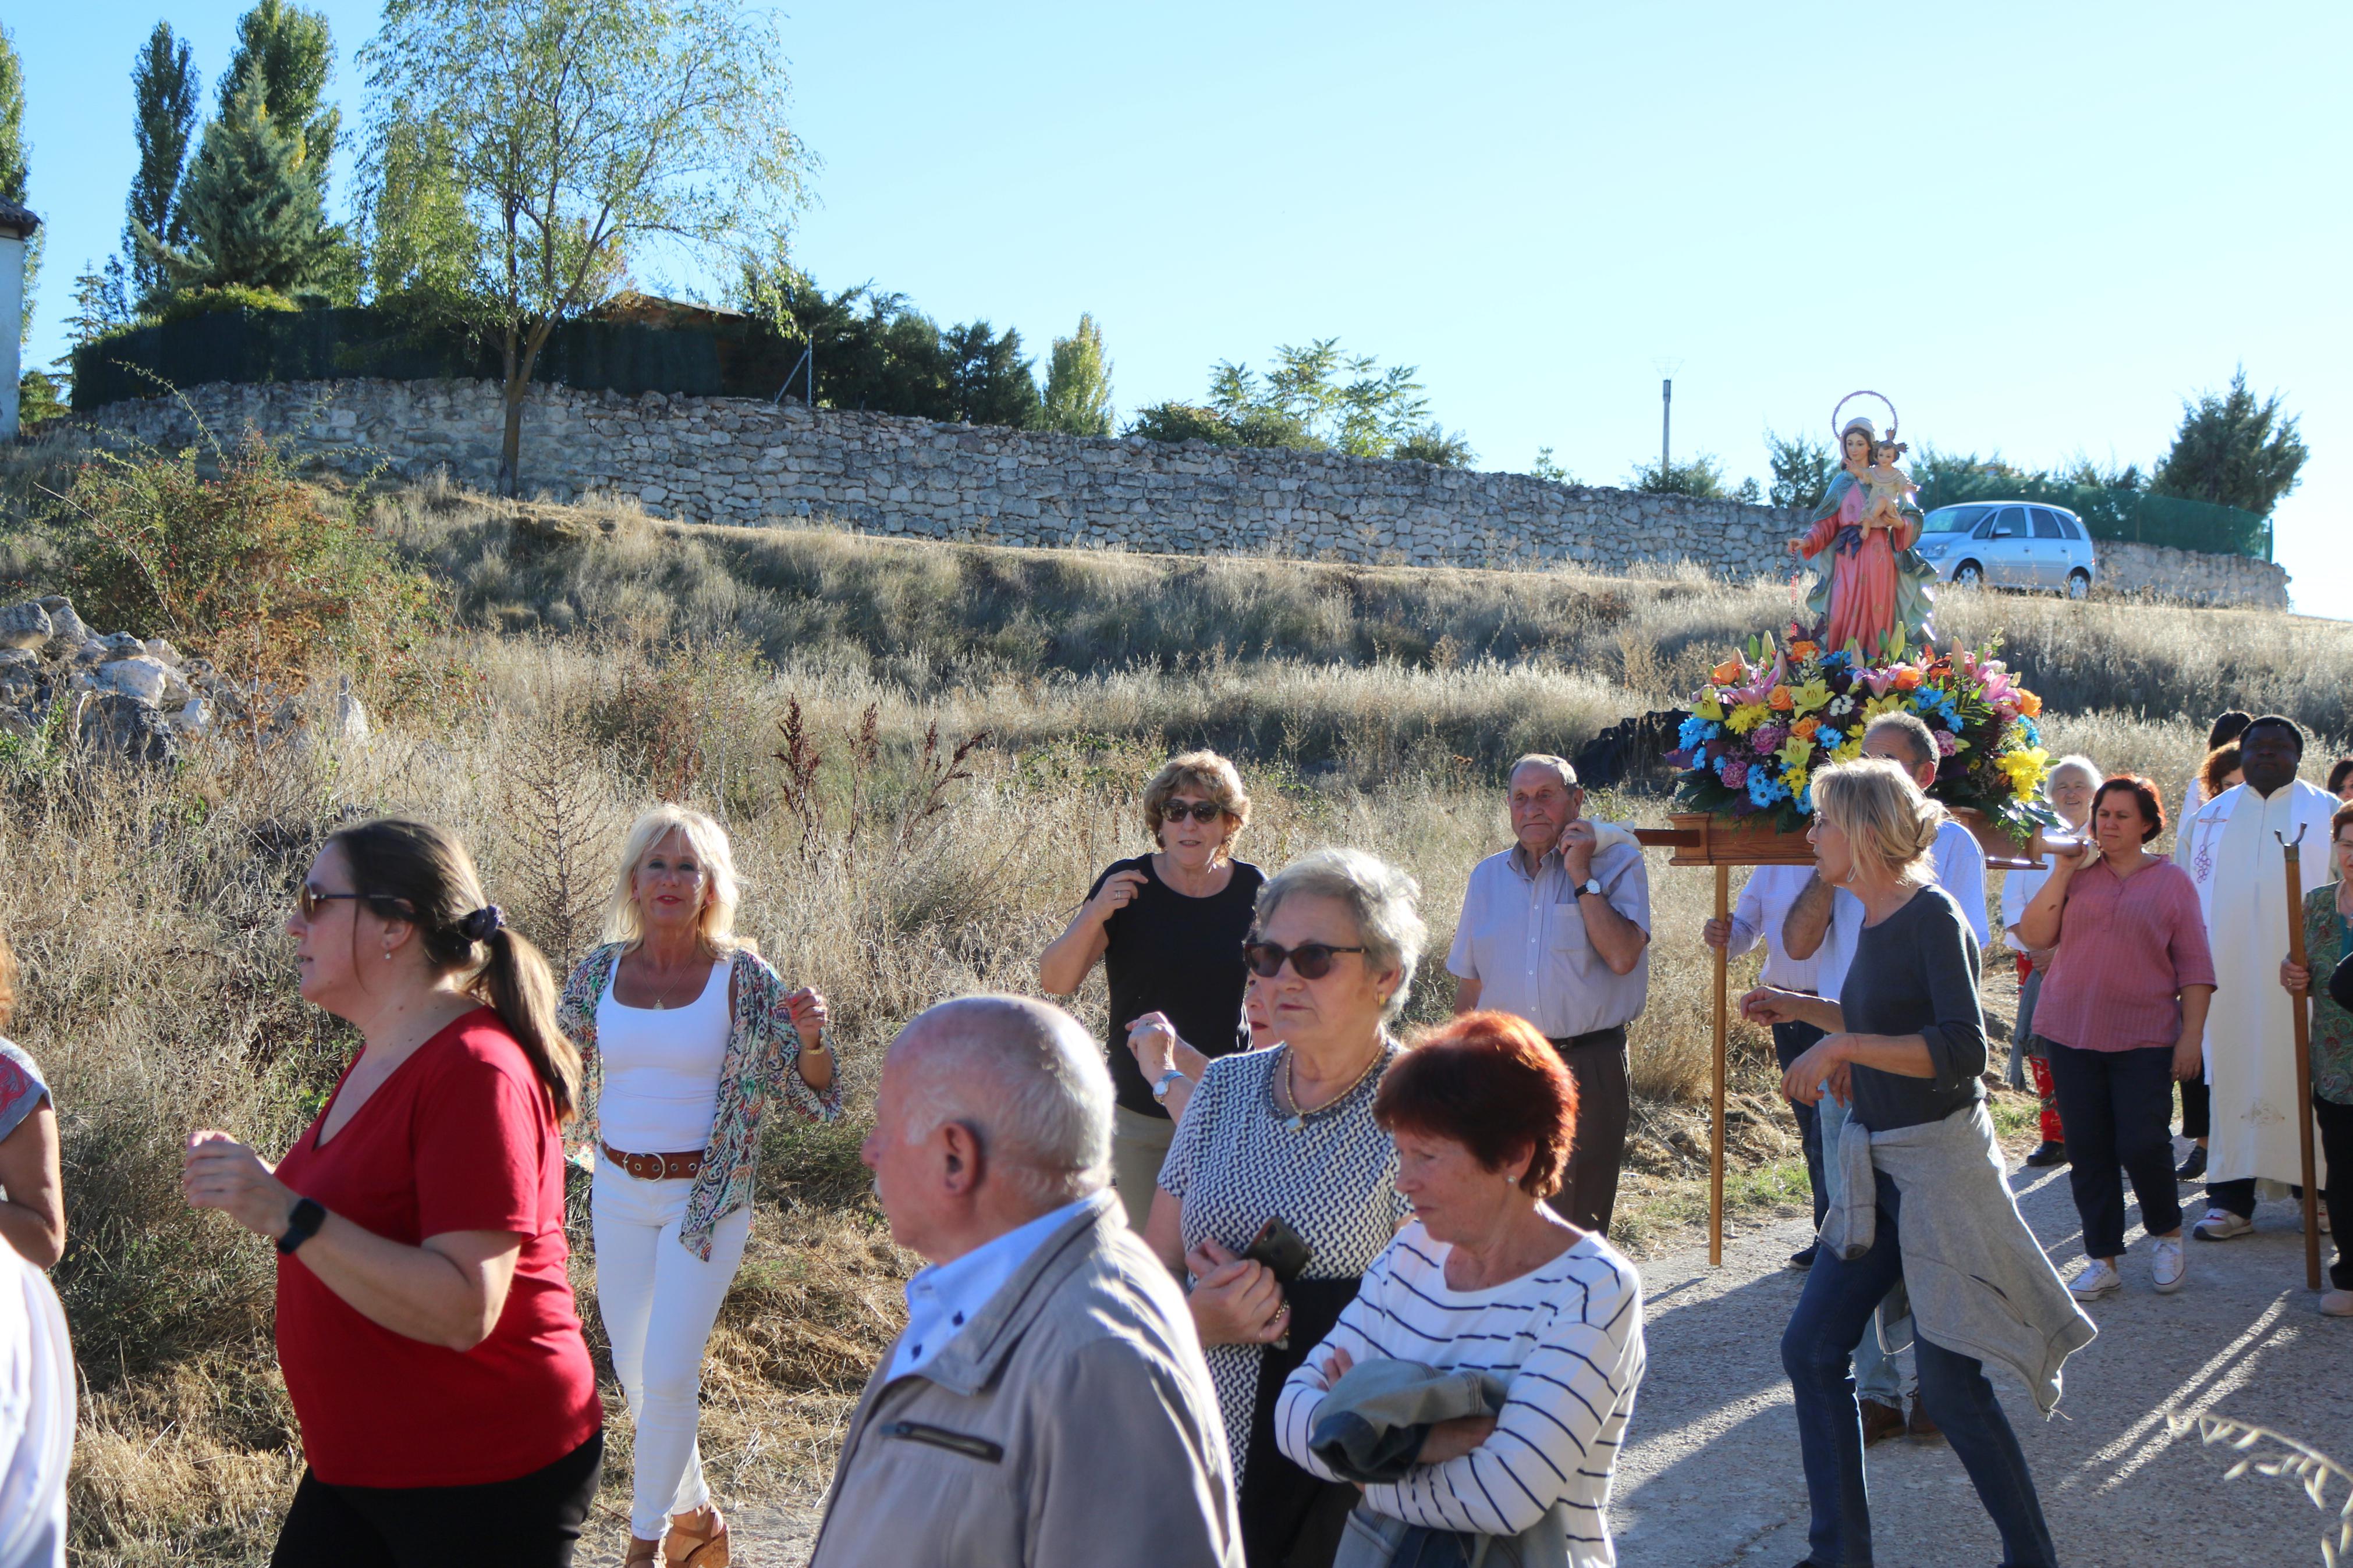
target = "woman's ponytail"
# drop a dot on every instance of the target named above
(414, 871)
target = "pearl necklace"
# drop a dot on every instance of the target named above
(1298, 1121)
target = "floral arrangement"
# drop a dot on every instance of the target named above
(1769, 718)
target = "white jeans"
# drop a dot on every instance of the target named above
(660, 1302)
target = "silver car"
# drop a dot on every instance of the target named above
(2010, 544)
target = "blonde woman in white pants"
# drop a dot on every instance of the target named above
(687, 1035)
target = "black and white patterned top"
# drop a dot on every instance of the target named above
(1236, 1162)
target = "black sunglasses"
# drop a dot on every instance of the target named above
(1309, 960)
(1200, 811)
(308, 900)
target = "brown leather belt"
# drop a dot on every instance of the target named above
(656, 1167)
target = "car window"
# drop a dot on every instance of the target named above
(2013, 518)
(2073, 529)
(1953, 518)
(2046, 525)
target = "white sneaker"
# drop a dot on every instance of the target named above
(2222, 1224)
(2167, 1266)
(2336, 1303)
(2098, 1278)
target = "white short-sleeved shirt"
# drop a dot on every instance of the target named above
(1763, 908)
(36, 1416)
(1523, 939)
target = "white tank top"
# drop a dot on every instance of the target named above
(662, 1070)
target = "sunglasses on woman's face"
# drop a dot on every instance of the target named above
(1309, 960)
(309, 901)
(1200, 811)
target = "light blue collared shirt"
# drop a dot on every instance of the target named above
(942, 1298)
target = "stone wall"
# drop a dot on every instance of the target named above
(742, 461)
(2190, 576)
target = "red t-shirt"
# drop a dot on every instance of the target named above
(460, 1137)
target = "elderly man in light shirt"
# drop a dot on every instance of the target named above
(1046, 1405)
(1762, 907)
(1558, 930)
(1823, 925)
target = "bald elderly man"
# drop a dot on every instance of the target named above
(1047, 1403)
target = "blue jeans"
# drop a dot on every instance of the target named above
(1876, 1375)
(1791, 1041)
(1832, 1317)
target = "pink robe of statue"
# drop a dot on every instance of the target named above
(1862, 585)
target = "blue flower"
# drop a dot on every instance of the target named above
(1699, 756)
(1695, 730)
(1806, 800)
(2032, 730)
(1765, 789)
(1828, 739)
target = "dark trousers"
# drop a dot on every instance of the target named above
(1604, 1105)
(533, 1522)
(2197, 1108)
(2336, 1142)
(1791, 1041)
(2119, 1110)
(1832, 1316)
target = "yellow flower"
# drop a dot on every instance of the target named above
(1814, 694)
(1708, 708)
(2025, 768)
(1745, 717)
(1848, 751)
(1795, 751)
(1795, 779)
(1873, 707)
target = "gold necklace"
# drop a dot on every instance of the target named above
(1298, 1121)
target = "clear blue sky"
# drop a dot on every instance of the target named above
(2038, 227)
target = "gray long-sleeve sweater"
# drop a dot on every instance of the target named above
(1915, 972)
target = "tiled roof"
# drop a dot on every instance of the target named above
(17, 221)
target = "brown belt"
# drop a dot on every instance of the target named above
(656, 1167)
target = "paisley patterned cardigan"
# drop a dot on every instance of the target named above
(763, 1054)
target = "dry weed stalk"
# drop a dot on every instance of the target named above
(556, 799)
(2308, 1465)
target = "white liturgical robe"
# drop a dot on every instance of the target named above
(2232, 849)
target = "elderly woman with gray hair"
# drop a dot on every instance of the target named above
(689, 1037)
(1281, 1188)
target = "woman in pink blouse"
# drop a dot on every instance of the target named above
(2123, 1011)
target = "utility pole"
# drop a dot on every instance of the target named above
(1666, 422)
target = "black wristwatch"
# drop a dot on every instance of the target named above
(302, 1225)
(1590, 885)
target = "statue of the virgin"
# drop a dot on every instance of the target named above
(1873, 580)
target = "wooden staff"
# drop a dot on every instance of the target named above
(2297, 1000)
(1715, 1137)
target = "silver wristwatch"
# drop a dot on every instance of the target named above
(1166, 1081)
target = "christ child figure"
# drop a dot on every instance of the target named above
(1889, 485)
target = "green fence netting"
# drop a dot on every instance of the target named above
(627, 357)
(2136, 515)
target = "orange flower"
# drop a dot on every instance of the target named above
(1802, 649)
(2029, 704)
(1782, 700)
(1804, 728)
(1907, 678)
(1730, 670)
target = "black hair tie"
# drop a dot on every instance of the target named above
(478, 925)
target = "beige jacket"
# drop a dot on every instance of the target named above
(1070, 1425)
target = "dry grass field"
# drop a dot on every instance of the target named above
(614, 661)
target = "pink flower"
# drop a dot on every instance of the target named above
(1766, 739)
(1945, 743)
(1734, 772)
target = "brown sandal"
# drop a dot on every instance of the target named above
(641, 1553)
(700, 1548)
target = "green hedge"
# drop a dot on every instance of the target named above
(2136, 515)
(333, 344)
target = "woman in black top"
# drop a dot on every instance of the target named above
(1905, 1046)
(1168, 929)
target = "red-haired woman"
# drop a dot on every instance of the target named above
(1488, 1277)
(2122, 1011)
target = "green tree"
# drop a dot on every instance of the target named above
(1434, 443)
(292, 52)
(989, 382)
(1548, 469)
(163, 88)
(1317, 397)
(101, 302)
(1078, 384)
(520, 150)
(14, 157)
(1802, 469)
(1183, 422)
(2233, 451)
(1701, 477)
(252, 210)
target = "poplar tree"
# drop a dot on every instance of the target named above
(1078, 384)
(163, 90)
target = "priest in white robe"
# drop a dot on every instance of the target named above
(2232, 850)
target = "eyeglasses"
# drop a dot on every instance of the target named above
(1309, 960)
(1200, 811)
(308, 900)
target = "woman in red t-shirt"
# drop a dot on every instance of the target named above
(426, 1325)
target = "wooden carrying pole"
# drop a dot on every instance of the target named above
(1715, 1136)
(2297, 1000)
